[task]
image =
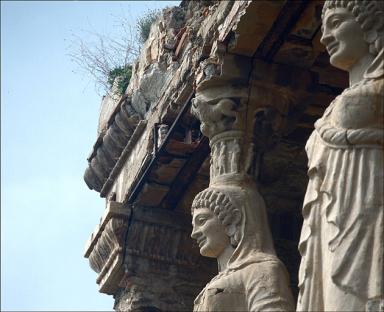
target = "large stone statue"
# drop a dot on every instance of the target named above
(342, 239)
(230, 224)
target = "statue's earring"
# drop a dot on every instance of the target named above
(231, 229)
(235, 239)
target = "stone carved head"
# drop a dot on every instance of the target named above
(215, 221)
(351, 30)
(236, 212)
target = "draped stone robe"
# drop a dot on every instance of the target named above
(259, 285)
(342, 236)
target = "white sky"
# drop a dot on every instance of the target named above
(48, 126)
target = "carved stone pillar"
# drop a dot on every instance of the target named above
(240, 117)
(240, 114)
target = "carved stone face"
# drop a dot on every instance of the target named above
(343, 38)
(209, 233)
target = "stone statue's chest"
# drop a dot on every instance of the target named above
(224, 294)
(358, 108)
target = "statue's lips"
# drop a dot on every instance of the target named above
(332, 48)
(201, 242)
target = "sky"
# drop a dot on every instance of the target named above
(49, 114)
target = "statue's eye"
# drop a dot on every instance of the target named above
(336, 23)
(201, 220)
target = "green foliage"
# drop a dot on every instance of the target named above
(123, 73)
(107, 57)
(145, 22)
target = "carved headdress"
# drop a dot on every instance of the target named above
(223, 124)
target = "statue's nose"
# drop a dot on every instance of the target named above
(194, 233)
(326, 38)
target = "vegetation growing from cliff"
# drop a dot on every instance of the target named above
(106, 58)
(123, 75)
(145, 22)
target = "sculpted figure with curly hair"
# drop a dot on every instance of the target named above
(342, 239)
(230, 224)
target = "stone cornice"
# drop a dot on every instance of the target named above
(123, 131)
(139, 234)
(123, 157)
(113, 210)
